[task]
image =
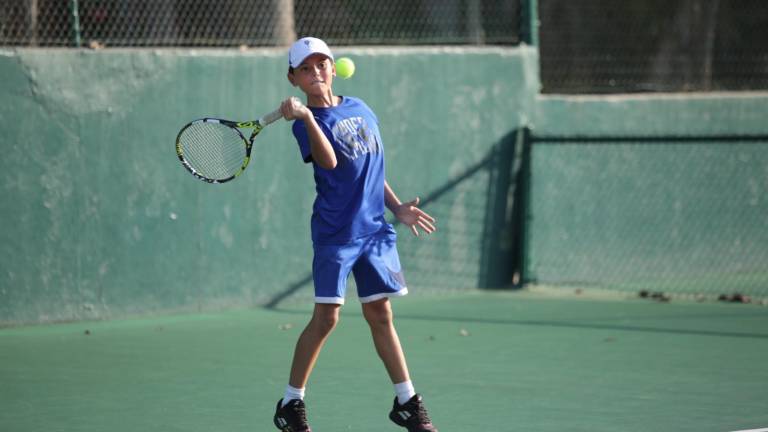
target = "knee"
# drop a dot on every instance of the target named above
(378, 314)
(325, 321)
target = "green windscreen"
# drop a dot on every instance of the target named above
(679, 215)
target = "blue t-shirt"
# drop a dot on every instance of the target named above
(350, 197)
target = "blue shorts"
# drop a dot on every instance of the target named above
(373, 261)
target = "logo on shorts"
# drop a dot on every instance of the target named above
(397, 276)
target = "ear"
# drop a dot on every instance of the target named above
(291, 79)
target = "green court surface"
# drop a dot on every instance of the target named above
(496, 361)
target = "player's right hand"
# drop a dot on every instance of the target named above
(293, 109)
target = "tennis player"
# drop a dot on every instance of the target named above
(339, 135)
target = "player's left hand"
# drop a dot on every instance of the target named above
(416, 219)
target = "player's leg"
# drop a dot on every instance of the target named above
(290, 414)
(378, 314)
(330, 269)
(408, 409)
(324, 320)
(379, 276)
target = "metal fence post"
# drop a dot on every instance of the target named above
(76, 23)
(529, 26)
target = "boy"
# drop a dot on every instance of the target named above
(340, 136)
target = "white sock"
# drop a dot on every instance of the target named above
(405, 392)
(292, 393)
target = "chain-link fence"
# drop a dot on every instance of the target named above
(608, 46)
(683, 216)
(233, 23)
(588, 46)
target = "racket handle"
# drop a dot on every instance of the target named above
(271, 117)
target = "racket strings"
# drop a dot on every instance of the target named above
(213, 150)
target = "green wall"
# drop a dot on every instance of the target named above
(659, 193)
(100, 220)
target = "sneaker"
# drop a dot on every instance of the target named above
(412, 415)
(292, 417)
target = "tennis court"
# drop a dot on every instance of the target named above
(575, 155)
(504, 361)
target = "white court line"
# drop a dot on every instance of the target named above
(754, 430)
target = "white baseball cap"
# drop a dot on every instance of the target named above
(305, 47)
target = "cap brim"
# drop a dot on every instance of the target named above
(310, 55)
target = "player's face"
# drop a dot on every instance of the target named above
(315, 75)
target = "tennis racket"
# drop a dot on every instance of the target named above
(215, 150)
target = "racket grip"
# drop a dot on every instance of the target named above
(271, 117)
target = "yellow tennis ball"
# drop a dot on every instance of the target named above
(345, 67)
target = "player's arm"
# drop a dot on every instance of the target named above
(322, 151)
(408, 213)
